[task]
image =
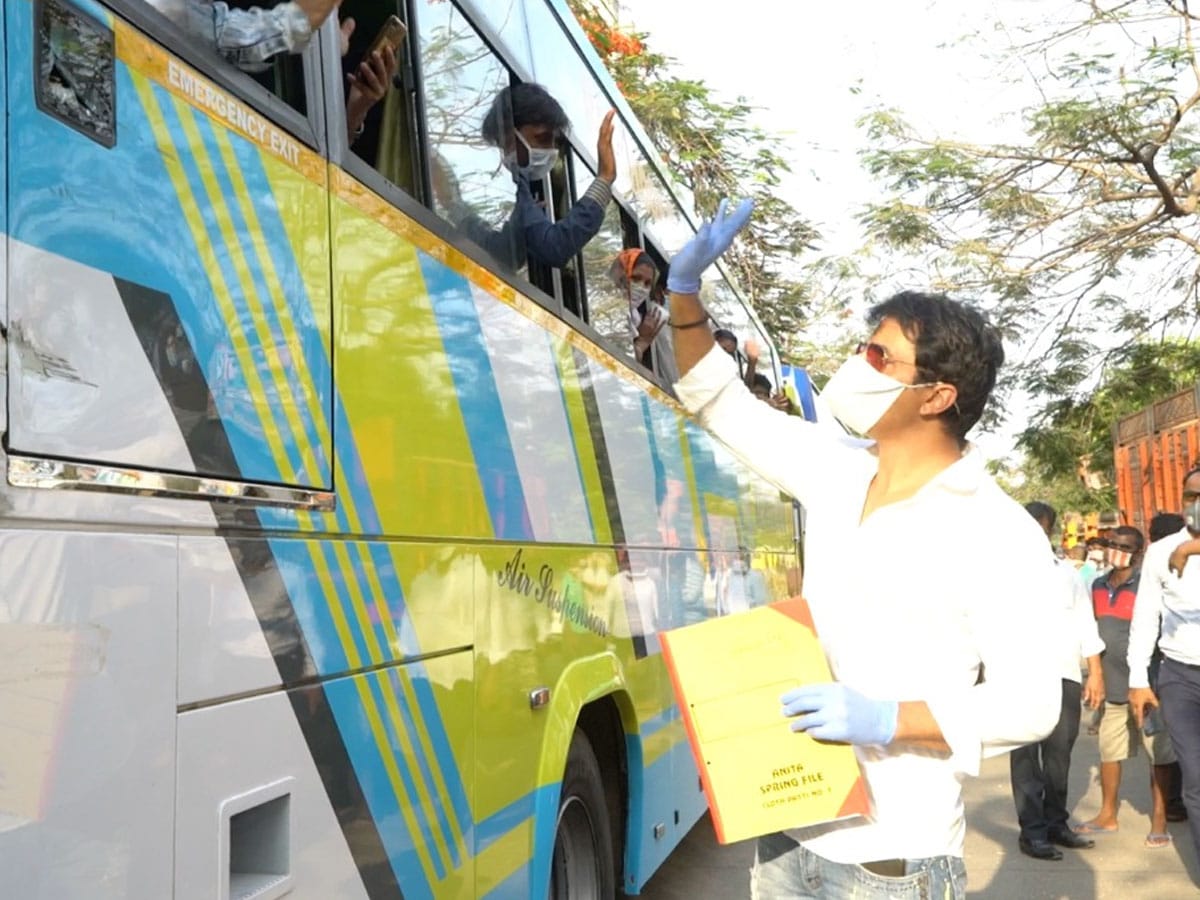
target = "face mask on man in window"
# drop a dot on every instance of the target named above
(541, 160)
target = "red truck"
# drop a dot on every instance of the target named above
(1153, 449)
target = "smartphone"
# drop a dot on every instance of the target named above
(392, 35)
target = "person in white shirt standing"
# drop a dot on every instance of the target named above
(909, 635)
(1167, 613)
(1039, 772)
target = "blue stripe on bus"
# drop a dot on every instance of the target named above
(656, 792)
(406, 776)
(532, 878)
(359, 740)
(666, 429)
(440, 741)
(295, 292)
(309, 431)
(413, 730)
(309, 605)
(503, 821)
(478, 398)
(228, 275)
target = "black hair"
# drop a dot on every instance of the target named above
(954, 344)
(1042, 512)
(1130, 531)
(724, 333)
(1165, 524)
(520, 105)
(761, 380)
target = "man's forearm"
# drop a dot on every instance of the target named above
(916, 727)
(691, 343)
(1093, 666)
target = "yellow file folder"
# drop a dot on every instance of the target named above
(759, 775)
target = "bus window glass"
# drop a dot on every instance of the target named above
(379, 128)
(607, 302)
(558, 67)
(727, 312)
(461, 78)
(506, 19)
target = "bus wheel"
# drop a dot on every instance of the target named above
(582, 867)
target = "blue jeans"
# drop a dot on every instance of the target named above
(784, 870)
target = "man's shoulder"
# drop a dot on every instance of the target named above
(1160, 551)
(1008, 518)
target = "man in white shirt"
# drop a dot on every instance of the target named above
(1167, 613)
(908, 635)
(1039, 772)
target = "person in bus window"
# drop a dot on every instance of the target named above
(527, 125)
(249, 38)
(368, 82)
(634, 272)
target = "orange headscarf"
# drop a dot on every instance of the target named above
(627, 261)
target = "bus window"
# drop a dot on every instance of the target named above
(381, 131)
(461, 78)
(608, 303)
(226, 32)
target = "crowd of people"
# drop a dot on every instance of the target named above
(1098, 601)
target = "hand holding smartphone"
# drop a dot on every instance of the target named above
(392, 35)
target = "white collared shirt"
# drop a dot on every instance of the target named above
(1170, 599)
(902, 612)
(1081, 636)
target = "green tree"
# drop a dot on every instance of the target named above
(714, 148)
(1075, 430)
(1083, 238)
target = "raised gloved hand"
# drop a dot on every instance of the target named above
(834, 712)
(701, 251)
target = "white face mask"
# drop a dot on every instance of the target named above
(541, 161)
(1191, 515)
(858, 395)
(638, 293)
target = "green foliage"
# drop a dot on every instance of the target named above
(1082, 239)
(1070, 430)
(716, 150)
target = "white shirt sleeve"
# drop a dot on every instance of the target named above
(250, 38)
(1019, 700)
(1084, 617)
(1147, 614)
(795, 454)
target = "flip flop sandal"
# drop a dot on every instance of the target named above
(1157, 841)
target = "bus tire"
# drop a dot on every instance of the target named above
(582, 865)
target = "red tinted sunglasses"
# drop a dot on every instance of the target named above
(878, 358)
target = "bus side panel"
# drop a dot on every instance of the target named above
(87, 715)
(394, 748)
(248, 754)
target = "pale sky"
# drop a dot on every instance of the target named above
(816, 68)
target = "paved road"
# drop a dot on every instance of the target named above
(1117, 868)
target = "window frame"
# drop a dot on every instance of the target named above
(307, 128)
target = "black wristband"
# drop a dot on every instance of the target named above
(687, 325)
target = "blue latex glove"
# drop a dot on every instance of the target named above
(701, 251)
(834, 712)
